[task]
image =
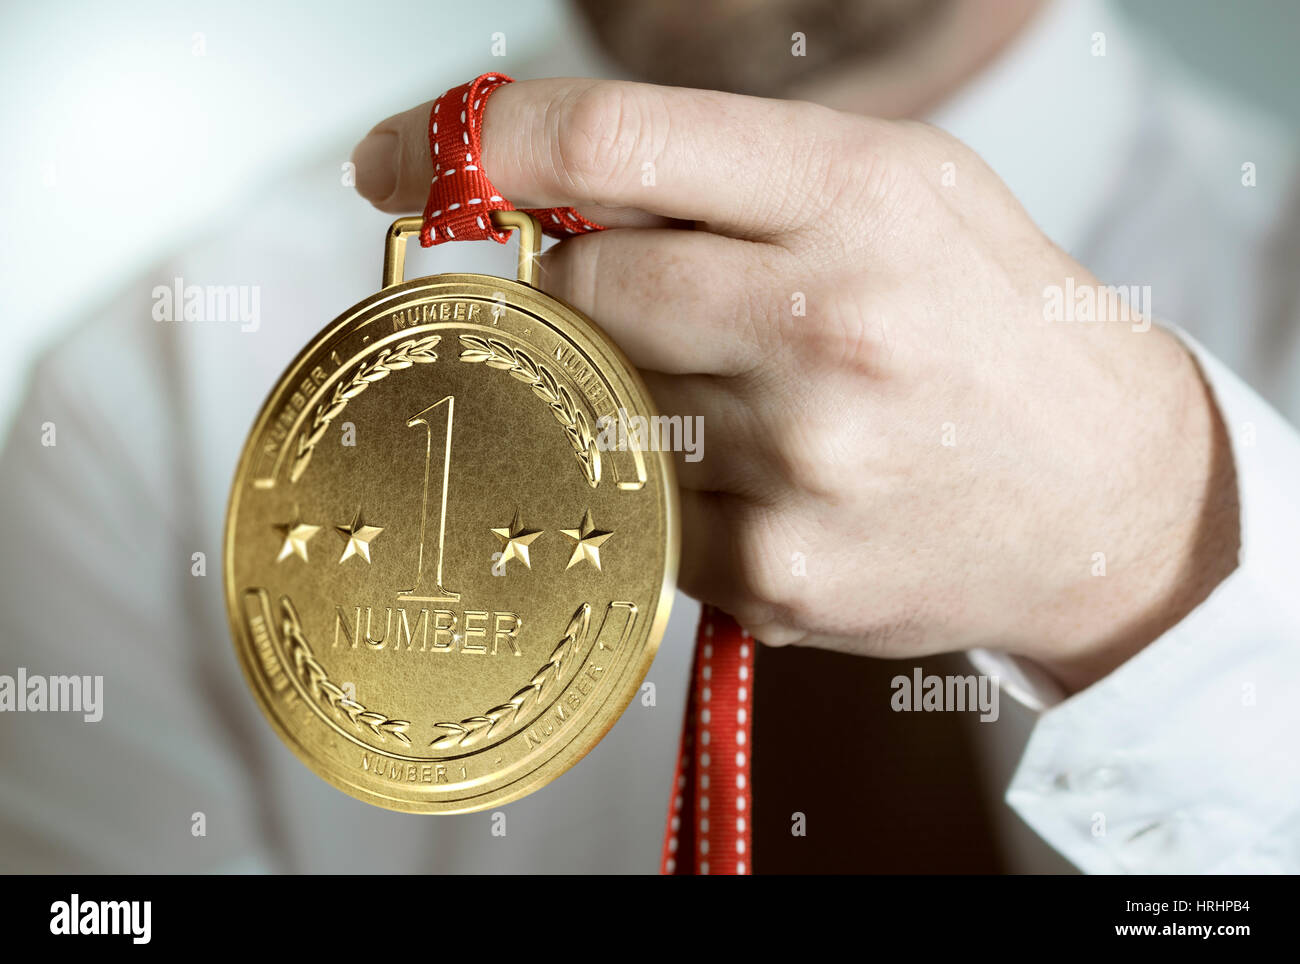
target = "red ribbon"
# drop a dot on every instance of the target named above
(709, 819)
(460, 195)
(709, 815)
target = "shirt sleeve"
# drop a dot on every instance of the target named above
(1183, 759)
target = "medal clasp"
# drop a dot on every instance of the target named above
(525, 227)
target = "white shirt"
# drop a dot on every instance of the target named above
(1185, 752)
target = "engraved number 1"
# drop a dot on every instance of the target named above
(419, 593)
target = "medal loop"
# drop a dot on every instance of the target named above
(520, 222)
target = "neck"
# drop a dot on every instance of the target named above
(965, 36)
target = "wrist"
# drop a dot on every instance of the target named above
(1163, 518)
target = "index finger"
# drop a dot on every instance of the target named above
(745, 166)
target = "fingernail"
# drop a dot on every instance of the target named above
(376, 165)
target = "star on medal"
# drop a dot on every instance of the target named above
(587, 540)
(515, 540)
(296, 534)
(358, 538)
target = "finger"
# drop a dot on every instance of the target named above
(674, 301)
(716, 564)
(719, 566)
(707, 569)
(393, 169)
(709, 431)
(743, 165)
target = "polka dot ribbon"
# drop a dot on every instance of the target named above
(709, 812)
(460, 195)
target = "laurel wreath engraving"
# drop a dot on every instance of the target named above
(521, 365)
(316, 680)
(417, 351)
(475, 728)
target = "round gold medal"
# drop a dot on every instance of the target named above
(448, 564)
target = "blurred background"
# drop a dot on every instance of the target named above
(128, 127)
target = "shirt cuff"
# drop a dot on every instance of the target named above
(1022, 679)
(1183, 759)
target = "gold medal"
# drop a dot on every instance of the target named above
(443, 588)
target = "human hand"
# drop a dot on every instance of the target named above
(918, 462)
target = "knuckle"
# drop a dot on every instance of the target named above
(874, 173)
(809, 457)
(805, 178)
(871, 170)
(857, 330)
(597, 131)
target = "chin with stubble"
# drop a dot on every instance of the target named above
(745, 46)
